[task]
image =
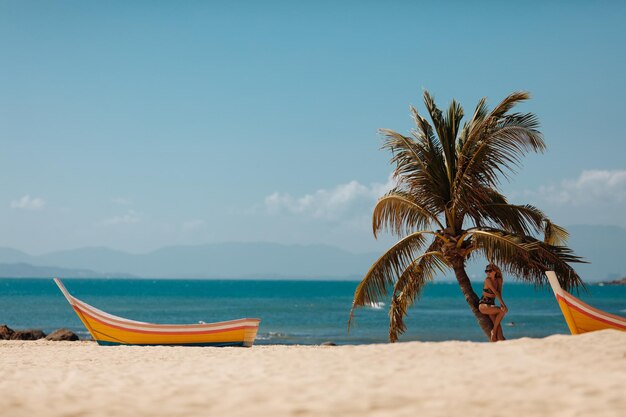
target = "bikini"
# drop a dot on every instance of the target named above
(489, 300)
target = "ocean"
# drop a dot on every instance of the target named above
(291, 312)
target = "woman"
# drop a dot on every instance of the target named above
(492, 289)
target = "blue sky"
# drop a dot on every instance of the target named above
(136, 125)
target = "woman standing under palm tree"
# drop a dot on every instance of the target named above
(492, 289)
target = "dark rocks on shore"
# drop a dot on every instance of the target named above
(7, 333)
(62, 335)
(29, 334)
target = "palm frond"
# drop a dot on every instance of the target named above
(554, 234)
(406, 152)
(399, 213)
(500, 149)
(424, 131)
(508, 103)
(410, 284)
(435, 114)
(384, 272)
(520, 219)
(425, 135)
(487, 207)
(553, 258)
(483, 121)
(450, 129)
(447, 128)
(419, 168)
(528, 258)
(494, 145)
(480, 113)
(498, 244)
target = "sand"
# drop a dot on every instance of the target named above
(557, 376)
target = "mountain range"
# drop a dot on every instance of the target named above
(219, 260)
(603, 246)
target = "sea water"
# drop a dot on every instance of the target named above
(291, 312)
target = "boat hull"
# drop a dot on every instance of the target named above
(110, 330)
(581, 317)
(213, 344)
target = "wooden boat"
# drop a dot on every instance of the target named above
(107, 329)
(581, 317)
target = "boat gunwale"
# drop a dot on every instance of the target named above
(587, 310)
(171, 329)
(88, 313)
(94, 313)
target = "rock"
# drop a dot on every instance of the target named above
(328, 344)
(5, 332)
(30, 334)
(62, 334)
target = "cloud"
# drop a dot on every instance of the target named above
(593, 197)
(130, 217)
(193, 225)
(28, 203)
(344, 200)
(591, 187)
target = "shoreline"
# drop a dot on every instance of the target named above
(554, 376)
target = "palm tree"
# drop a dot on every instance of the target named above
(447, 209)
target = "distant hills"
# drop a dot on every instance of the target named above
(604, 246)
(24, 270)
(224, 260)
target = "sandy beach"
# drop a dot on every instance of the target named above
(557, 376)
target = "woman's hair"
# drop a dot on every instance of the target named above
(497, 269)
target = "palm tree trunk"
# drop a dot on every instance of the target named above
(470, 296)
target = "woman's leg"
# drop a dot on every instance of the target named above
(500, 333)
(497, 328)
(495, 314)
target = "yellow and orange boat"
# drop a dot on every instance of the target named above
(581, 317)
(107, 329)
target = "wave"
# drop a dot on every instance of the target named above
(376, 305)
(271, 336)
